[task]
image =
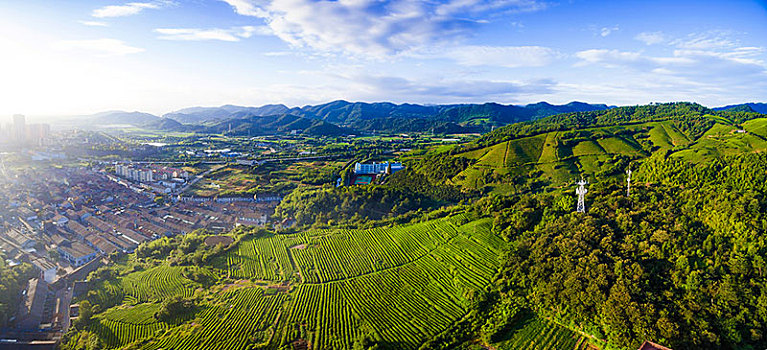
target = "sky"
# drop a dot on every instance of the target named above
(156, 56)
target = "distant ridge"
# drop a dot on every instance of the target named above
(381, 116)
(196, 115)
(344, 117)
(122, 117)
(545, 109)
(745, 107)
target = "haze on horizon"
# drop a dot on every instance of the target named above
(65, 58)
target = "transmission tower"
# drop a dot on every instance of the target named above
(581, 191)
(628, 182)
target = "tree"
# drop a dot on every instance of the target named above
(84, 340)
(173, 307)
(85, 315)
(365, 341)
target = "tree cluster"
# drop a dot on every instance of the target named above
(12, 281)
(681, 262)
(405, 191)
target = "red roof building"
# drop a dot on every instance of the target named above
(648, 345)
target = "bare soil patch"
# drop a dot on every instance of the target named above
(213, 241)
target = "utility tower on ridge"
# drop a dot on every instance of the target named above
(581, 191)
(628, 182)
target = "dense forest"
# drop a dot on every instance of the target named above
(680, 261)
(403, 192)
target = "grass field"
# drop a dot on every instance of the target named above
(665, 136)
(561, 156)
(403, 284)
(756, 127)
(723, 140)
(558, 158)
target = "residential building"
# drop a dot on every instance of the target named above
(133, 173)
(33, 305)
(47, 268)
(77, 254)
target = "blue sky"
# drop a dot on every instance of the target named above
(78, 57)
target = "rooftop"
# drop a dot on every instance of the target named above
(648, 345)
(78, 250)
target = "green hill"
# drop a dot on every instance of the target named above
(558, 149)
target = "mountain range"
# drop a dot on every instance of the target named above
(745, 107)
(343, 117)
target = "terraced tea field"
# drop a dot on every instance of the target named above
(403, 284)
(561, 156)
(534, 333)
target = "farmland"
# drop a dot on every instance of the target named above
(157, 283)
(400, 284)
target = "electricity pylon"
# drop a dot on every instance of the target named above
(581, 191)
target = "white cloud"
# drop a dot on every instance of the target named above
(733, 67)
(94, 23)
(197, 34)
(247, 8)
(651, 38)
(711, 40)
(503, 56)
(608, 30)
(375, 28)
(711, 55)
(703, 67)
(101, 47)
(610, 58)
(277, 53)
(362, 84)
(457, 90)
(128, 9)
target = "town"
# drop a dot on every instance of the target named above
(66, 221)
(69, 209)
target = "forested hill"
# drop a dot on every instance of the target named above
(679, 261)
(557, 149)
(197, 115)
(747, 107)
(385, 116)
(691, 117)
